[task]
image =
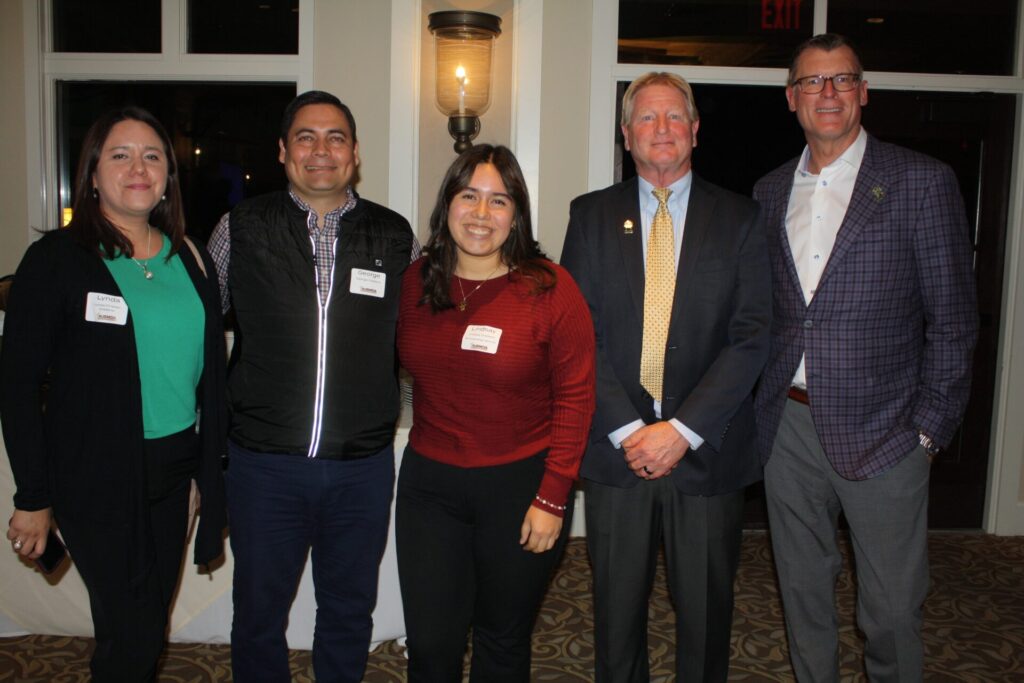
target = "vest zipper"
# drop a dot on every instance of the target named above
(321, 346)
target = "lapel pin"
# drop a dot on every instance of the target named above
(627, 227)
(878, 192)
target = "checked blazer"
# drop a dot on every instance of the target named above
(890, 332)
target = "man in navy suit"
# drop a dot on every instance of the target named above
(874, 326)
(670, 453)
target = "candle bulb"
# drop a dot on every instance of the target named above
(460, 76)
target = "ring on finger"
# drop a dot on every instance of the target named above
(18, 544)
(648, 470)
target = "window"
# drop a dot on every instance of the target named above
(224, 137)
(917, 36)
(269, 27)
(930, 36)
(712, 32)
(226, 106)
(722, 156)
(108, 26)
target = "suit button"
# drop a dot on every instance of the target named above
(808, 324)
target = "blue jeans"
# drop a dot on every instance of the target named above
(279, 507)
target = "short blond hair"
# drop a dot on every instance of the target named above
(658, 78)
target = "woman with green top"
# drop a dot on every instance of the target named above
(112, 391)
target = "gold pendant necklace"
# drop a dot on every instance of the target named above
(458, 281)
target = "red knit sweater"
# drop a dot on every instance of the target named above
(472, 408)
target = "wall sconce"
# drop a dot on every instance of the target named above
(463, 46)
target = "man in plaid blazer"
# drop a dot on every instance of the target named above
(874, 324)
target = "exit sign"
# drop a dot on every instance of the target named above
(780, 15)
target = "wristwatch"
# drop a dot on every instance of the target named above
(927, 443)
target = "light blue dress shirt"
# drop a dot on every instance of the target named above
(677, 204)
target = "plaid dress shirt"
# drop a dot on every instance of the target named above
(323, 237)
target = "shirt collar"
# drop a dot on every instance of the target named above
(852, 157)
(346, 206)
(680, 193)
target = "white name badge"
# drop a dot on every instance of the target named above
(483, 338)
(105, 308)
(367, 282)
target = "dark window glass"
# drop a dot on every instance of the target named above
(713, 32)
(224, 134)
(929, 36)
(731, 151)
(266, 27)
(108, 26)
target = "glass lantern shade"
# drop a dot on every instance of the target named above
(463, 48)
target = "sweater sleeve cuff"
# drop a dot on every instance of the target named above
(31, 501)
(553, 494)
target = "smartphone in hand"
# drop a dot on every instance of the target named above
(54, 554)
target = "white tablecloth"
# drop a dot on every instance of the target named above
(30, 603)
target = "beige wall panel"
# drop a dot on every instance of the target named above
(14, 229)
(565, 102)
(352, 59)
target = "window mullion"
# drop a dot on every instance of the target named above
(173, 32)
(820, 16)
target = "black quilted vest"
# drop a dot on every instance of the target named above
(305, 380)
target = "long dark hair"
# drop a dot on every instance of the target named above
(88, 224)
(520, 252)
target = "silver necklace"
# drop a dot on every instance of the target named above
(458, 280)
(146, 272)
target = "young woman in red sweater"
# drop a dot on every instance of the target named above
(500, 345)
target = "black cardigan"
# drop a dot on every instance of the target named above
(83, 453)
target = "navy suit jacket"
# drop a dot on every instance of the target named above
(891, 329)
(718, 334)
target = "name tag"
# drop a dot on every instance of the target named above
(483, 338)
(367, 282)
(105, 308)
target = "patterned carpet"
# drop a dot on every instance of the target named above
(973, 631)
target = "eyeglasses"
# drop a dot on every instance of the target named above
(812, 85)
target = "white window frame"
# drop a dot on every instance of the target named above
(606, 73)
(1004, 507)
(44, 67)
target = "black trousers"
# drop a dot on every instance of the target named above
(702, 536)
(460, 566)
(131, 625)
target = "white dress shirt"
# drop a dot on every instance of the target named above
(817, 206)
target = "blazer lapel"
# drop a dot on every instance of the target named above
(699, 210)
(868, 192)
(780, 205)
(625, 221)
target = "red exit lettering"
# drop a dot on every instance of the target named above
(780, 14)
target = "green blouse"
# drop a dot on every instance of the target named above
(167, 317)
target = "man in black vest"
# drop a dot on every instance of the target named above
(313, 276)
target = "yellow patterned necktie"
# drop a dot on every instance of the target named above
(659, 289)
